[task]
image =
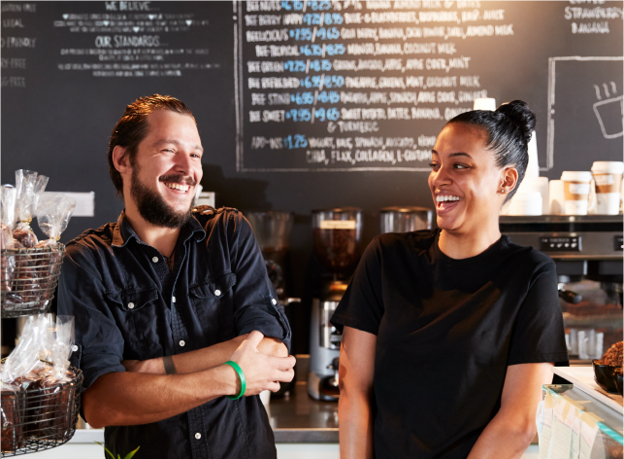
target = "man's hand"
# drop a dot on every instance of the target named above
(272, 347)
(262, 372)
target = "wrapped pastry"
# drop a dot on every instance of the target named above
(54, 210)
(29, 186)
(7, 221)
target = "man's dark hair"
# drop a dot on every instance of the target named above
(131, 129)
(508, 131)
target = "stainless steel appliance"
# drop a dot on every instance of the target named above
(587, 251)
(405, 219)
(337, 234)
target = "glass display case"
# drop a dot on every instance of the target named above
(579, 420)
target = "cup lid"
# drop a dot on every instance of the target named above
(612, 167)
(576, 176)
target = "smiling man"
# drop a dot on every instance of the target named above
(177, 324)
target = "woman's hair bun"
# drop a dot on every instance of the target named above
(519, 113)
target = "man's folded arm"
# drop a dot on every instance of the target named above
(135, 398)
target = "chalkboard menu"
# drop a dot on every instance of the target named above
(352, 78)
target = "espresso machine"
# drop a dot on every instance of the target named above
(587, 251)
(405, 219)
(337, 234)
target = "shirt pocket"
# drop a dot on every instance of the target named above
(213, 303)
(136, 315)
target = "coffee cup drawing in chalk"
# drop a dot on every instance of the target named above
(609, 112)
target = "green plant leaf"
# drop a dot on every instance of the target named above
(107, 451)
(131, 453)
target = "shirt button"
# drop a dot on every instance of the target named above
(182, 343)
(173, 300)
(197, 436)
(130, 305)
(273, 301)
(155, 259)
(74, 348)
(218, 292)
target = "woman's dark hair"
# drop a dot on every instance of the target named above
(131, 129)
(508, 130)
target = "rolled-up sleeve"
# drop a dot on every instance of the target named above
(81, 294)
(255, 299)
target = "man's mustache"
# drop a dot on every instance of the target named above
(181, 179)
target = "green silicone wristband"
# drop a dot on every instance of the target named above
(241, 376)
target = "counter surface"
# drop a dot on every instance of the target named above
(299, 419)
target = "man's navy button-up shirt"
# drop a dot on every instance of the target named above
(128, 305)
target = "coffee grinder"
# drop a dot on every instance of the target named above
(404, 219)
(336, 234)
(272, 230)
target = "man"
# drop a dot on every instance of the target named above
(164, 297)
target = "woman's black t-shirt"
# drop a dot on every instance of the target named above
(446, 332)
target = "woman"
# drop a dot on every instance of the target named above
(449, 334)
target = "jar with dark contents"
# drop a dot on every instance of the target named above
(336, 237)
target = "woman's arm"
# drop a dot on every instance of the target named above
(206, 358)
(357, 365)
(509, 434)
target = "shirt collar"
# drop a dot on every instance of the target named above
(124, 232)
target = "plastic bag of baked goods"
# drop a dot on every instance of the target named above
(43, 350)
(39, 365)
(25, 357)
(49, 413)
(7, 221)
(29, 186)
(26, 286)
(54, 210)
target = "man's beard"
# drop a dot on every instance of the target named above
(153, 208)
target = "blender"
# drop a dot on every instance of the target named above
(405, 219)
(337, 234)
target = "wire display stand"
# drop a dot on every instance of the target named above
(41, 416)
(28, 279)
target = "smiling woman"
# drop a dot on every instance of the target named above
(451, 333)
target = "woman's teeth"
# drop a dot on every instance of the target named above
(177, 186)
(447, 198)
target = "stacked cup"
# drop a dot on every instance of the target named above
(608, 178)
(576, 188)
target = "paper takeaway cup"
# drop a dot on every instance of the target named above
(576, 187)
(556, 197)
(608, 178)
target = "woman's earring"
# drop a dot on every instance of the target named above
(503, 190)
